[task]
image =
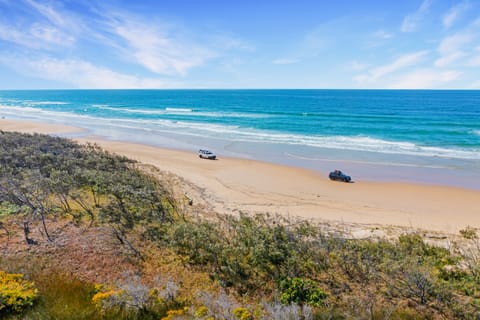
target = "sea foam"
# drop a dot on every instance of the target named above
(40, 103)
(178, 111)
(236, 133)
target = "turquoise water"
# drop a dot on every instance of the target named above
(378, 134)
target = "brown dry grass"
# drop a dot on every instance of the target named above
(91, 254)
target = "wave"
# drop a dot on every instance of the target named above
(103, 106)
(180, 111)
(131, 111)
(15, 109)
(235, 133)
(476, 132)
(355, 143)
(142, 111)
(42, 114)
(41, 103)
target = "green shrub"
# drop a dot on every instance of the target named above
(301, 291)
(42, 176)
(469, 233)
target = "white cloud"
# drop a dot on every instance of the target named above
(51, 35)
(382, 34)
(378, 38)
(449, 58)
(411, 21)
(474, 61)
(157, 48)
(404, 61)
(285, 61)
(454, 13)
(425, 79)
(475, 85)
(357, 66)
(81, 74)
(451, 48)
(50, 13)
(229, 43)
(164, 49)
(167, 48)
(50, 30)
(37, 36)
(454, 42)
(10, 34)
(68, 27)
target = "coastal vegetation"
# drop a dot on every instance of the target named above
(85, 234)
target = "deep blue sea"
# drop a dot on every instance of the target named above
(426, 136)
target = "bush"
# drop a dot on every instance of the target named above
(16, 293)
(301, 291)
(242, 314)
(42, 176)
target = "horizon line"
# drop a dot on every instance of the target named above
(240, 89)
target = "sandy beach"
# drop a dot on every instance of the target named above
(36, 127)
(230, 185)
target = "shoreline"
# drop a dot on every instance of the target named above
(362, 165)
(232, 185)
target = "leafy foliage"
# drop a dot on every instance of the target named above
(298, 264)
(42, 176)
(257, 259)
(16, 293)
(242, 314)
(300, 291)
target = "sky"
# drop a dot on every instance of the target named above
(165, 44)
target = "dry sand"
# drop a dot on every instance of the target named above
(36, 127)
(231, 185)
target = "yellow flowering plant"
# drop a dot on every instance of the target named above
(16, 293)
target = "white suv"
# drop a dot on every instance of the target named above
(206, 154)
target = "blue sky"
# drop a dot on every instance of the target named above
(239, 44)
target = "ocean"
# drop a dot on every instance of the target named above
(423, 136)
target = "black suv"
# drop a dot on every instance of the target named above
(338, 175)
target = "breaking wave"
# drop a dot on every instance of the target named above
(236, 133)
(178, 111)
